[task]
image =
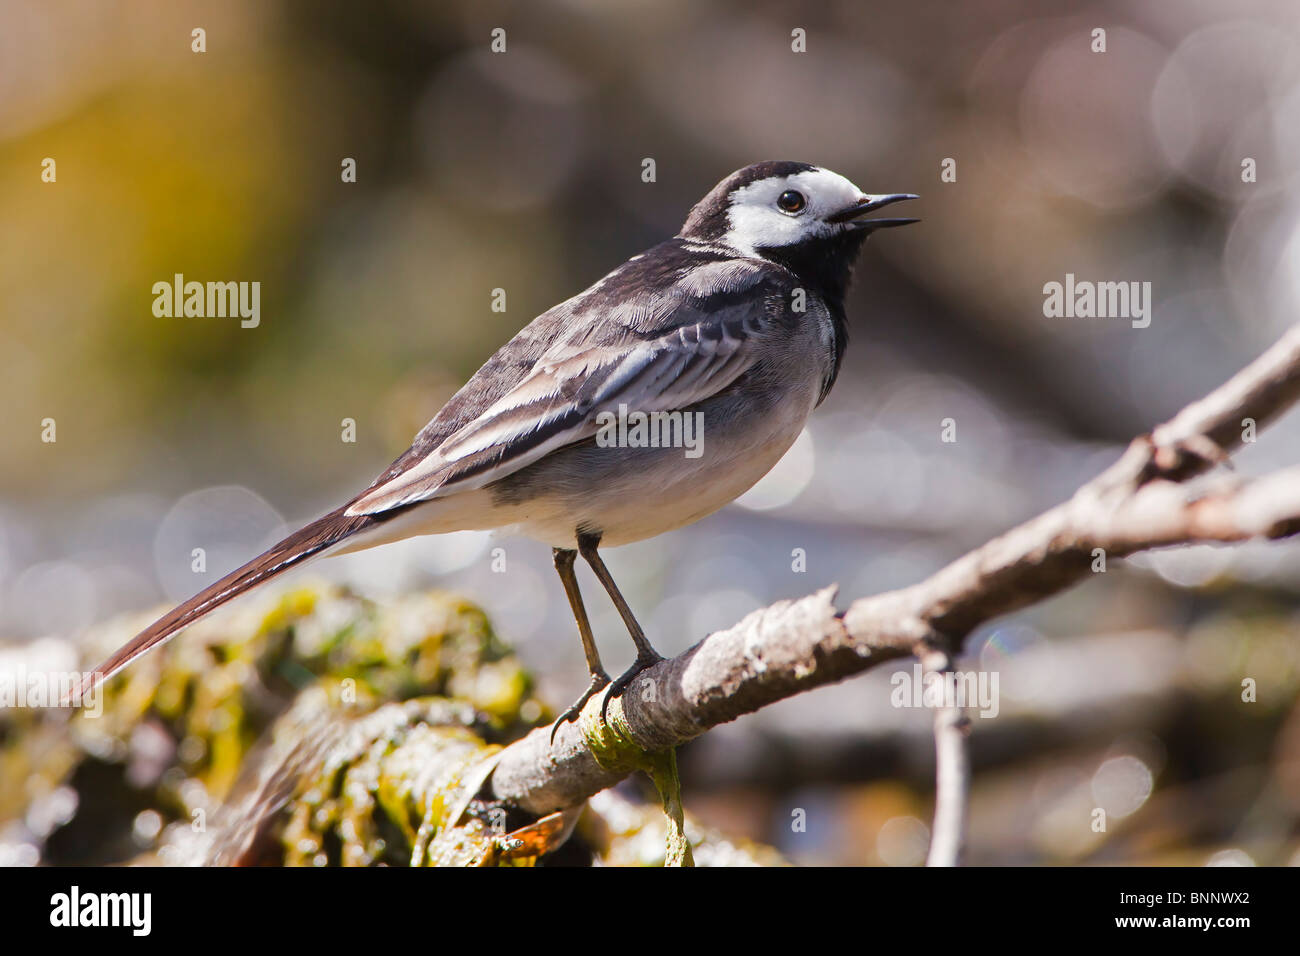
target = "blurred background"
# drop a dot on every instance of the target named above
(522, 171)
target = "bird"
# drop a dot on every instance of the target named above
(738, 321)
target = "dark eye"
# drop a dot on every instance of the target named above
(791, 201)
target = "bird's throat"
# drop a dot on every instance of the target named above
(824, 265)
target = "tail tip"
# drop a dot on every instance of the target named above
(85, 687)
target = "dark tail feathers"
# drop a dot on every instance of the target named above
(293, 550)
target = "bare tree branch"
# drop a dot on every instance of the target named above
(795, 646)
(952, 770)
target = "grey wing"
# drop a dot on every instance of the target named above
(703, 347)
(503, 371)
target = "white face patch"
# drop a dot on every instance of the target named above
(756, 220)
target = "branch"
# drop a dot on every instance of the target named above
(795, 646)
(952, 771)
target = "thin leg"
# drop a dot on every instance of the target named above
(564, 558)
(645, 654)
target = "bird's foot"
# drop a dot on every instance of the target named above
(598, 683)
(625, 679)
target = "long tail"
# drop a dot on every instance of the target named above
(321, 534)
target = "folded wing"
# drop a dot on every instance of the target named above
(558, 403)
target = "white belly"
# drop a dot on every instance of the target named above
(626, 494)
(665, 492)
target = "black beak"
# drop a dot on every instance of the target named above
(867, 204)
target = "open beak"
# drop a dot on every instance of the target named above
(853, 214)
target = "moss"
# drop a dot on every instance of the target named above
(305, 727)
(606, 731)
(216, 690)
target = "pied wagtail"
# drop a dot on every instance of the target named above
(739, 317)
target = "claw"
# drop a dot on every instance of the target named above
(598, 683)
(626, 678)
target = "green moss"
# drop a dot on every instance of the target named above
(310, 727)
(610, 739)
(220, 687)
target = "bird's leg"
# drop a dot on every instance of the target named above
(564, 558)
(645, 654)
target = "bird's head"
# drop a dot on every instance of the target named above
(805, 217)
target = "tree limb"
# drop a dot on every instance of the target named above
(952, 771)
(795, 646)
